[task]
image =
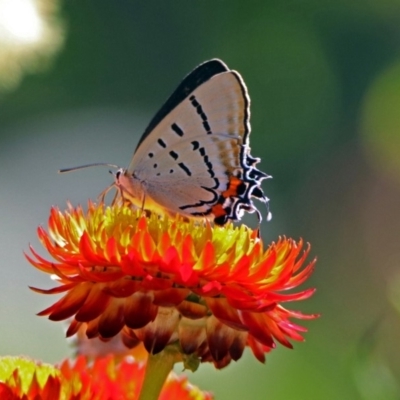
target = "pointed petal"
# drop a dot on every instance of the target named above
(68, 305)
(157, 334)
(192, 334)
(95, 304)
(219, 337)
(222, 310)
(139, 310)
(111, 320)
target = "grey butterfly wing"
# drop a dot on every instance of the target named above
(193, 80)
(195, 155)
(193, 178)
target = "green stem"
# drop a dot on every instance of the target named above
(157, 369)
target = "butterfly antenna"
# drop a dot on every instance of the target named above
(63, 170)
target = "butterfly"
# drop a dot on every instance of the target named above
(194, 158)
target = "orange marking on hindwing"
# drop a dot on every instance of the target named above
(232, 190)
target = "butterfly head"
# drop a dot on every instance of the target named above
(129, 187)
(117, 175)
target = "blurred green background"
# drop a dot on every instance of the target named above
(79, 80)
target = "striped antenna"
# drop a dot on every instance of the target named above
(62, 171)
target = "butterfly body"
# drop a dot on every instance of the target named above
(194, 158)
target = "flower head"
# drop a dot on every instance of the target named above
(23, 378)
(210, 290)
(102, 379)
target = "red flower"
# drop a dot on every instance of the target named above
(102, 379)
(209, 290)
(25, 379)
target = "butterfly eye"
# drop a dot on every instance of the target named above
(118, 175)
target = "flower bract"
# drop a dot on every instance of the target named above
(211, 291)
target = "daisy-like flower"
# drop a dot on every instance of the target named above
(23, 378)
(208, 291)
(103, 379)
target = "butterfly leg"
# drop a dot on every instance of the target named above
(101, 197)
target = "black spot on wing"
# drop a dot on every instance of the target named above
(207, 127)
(193, 80)
(173, 155)
(161, 143)
(203, 116)
(185, 168)
(209, 166)
(177, 129)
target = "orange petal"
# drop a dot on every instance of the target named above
(219, 337)
(139, 310)
(70, 303)
(95, 304)
(238, 345)
(257, 327)
(170, 297)
(192, 334)
(225, 313)
(192, 310)
(112, 319)
(157, 334)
